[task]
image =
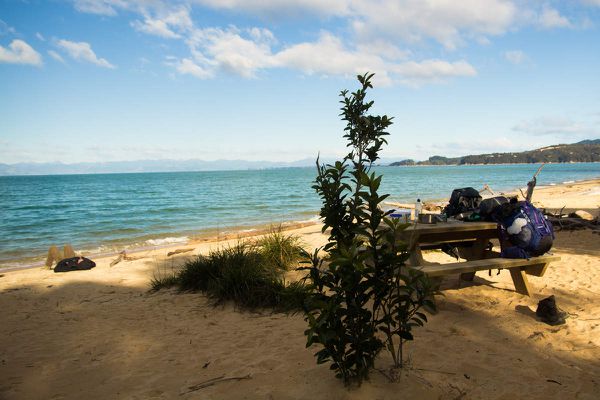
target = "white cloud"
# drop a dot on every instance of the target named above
(328, 56)
(551, 18)
(82, 51)
(19, 52)
(187, 66)
(515, 56)
(165, 23)
(101, 7)
(285, 7)
(246, 52)
(56, 56)
(40, 36)
(155, 27)
(559, 126)
(448, 22)
(179, 17)
(229, 50)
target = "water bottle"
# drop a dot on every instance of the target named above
(418, 208)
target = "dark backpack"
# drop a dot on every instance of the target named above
(74, 264)
(462, 200)
(489, 207)
(524, 231)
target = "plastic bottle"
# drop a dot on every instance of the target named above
(418, 208)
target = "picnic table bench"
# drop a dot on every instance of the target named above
(472, 239)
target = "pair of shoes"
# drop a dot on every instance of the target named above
(549, 312)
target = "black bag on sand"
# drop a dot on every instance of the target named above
(462, 200)
(488, 207)
(74, 264)
(549, 313)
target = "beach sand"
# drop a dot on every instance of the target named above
(100, 334)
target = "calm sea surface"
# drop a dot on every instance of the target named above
(108, 212)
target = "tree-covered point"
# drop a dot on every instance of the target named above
(584, 151)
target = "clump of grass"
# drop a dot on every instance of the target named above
(280, 250)
(163, 278)
(292, 297)
(163, 282)
(251, 274)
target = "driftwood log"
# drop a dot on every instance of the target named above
(123, 257)
(561, 221)
(178, 251)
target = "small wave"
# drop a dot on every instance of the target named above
(103, 249)
(167, 240)
(313, 219)
(566, 182)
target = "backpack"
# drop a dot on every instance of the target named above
(524, 231)
(488, 207)
(462, 200)
(74, 264)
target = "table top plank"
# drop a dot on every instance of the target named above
(450, 227)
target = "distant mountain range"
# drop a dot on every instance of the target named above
(584, 151)
(144, 166)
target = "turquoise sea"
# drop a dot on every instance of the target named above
(105, 213)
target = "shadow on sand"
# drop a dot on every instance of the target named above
(97, 341)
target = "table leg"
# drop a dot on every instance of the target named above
(519, 278)
(416, 257)
(537, 270)
(476, 252)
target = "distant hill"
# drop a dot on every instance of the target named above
(584, 151)
(595, 141)
(141, 166)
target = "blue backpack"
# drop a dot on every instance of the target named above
(524, 231)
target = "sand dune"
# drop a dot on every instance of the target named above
(100, 334)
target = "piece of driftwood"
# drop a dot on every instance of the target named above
(531, 184)
(570, 224)
(118, 259)
(486, 188)
(178, 251)
(214, 381)
(559, 214)
(123, 257)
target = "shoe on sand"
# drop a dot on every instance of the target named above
(549, 312)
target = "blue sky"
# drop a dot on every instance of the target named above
(114, 80)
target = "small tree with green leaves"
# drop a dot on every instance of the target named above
(359, 287)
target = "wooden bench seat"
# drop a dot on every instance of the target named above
(518, 268)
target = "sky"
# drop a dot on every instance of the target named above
(117, 80)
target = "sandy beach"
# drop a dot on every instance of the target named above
(101, 334)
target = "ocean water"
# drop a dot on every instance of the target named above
(105, 213)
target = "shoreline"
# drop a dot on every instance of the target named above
(238, 232)
(203, 238)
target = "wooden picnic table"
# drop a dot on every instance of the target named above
(429, 236)
(471, 239)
